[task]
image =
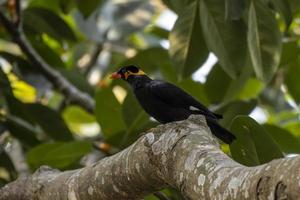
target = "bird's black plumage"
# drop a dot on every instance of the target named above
(166, 102)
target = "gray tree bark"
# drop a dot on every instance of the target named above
(183, 155)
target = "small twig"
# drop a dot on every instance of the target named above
(71, 93)
(93, 60)
(161, 195)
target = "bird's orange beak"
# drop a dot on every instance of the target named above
(115, 75)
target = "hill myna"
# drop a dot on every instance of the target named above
(166, 102)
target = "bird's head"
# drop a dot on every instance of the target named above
(126, 72)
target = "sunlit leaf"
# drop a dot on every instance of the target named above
(253, 145)
(251, 89)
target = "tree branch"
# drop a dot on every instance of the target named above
(183, 155)
(71, 93)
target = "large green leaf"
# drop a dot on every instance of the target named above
(226, 38)
(292, 79)
(253, 145)
(287, 142)
(50, 121)
(109, 115)
(187, 46)
(42, 20)
(264, 40)
(58, 155)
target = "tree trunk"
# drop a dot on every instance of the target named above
(183, 155)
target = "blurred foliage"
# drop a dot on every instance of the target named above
(256, 43)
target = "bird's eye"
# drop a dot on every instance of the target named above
(123, 71)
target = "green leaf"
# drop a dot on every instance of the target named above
(66, 5)
(196, 89)
(109, 115)
(291, 79)
(152, 59)
(225, 38)
(284, 8)
(58, 155)
(251, 89)
(86, 7)
(253, 145)
(264, 40)
(78, 80)
(75, 114)
(47, 53)
(4, 84)
(187, 46)
(177, 5)
(50, 121)
(232, 109)
(22, 130)
(290, 52)
(234, 9)
(42, 20)
(158, 31)
(217, 84)
(287, 142)
(6, 163)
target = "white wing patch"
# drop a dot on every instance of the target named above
(193, 108)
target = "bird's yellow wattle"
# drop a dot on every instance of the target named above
(128, 73)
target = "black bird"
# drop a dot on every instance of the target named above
(166, 102)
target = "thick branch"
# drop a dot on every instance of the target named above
(183, 155)
(72, 94)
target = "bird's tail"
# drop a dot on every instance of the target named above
(219, 131)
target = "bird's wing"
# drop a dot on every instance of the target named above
(176, 97)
